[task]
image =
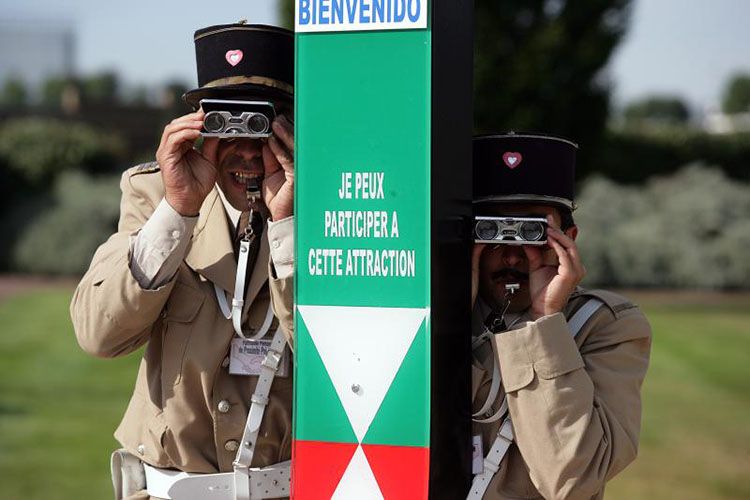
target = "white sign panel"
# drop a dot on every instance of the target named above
(312, 16)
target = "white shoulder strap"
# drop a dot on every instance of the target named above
(582, 315)
(504, 436)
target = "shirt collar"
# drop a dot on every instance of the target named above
(232, 213)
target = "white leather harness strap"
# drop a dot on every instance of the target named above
(494, 386)
(221, 298)
(268, 482)
(239, 287)
(497, 415)
(235, 312)
(582, 315)
(492, 461)
(504, 438)
(258, 403)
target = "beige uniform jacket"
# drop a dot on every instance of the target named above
(575, 403)
(173, 418)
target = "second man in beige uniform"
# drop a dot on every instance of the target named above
(574, 402)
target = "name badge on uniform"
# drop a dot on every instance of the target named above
(246, 357)
(477, 456)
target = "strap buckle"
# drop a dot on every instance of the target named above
(506, 431)
(259, 399)
(272, 360)
(491, 466)
(484, 336)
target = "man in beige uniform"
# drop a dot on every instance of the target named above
(574, 401)
(156, 281)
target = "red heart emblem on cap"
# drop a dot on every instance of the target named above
(512, 160)
(234, 56)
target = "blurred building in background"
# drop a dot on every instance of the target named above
(718, 122)
(34, 50)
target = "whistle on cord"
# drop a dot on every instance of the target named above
(252, 189)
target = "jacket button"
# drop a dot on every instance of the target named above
(224, 406)
(231, 445)
(141, 449)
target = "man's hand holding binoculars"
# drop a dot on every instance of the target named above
(188, 174)
(548, 275)
(550, 286)
(278, 163)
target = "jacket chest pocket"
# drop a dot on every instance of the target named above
(179, 317)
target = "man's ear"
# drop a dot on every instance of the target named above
(572, 232)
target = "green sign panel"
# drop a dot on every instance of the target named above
(363, 168)
(362, 321)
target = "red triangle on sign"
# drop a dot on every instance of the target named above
(317, 468)
(402, 472)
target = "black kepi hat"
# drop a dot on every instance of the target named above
(243, 60)
(524, 168)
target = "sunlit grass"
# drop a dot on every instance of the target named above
(58, 406)
(695, 442)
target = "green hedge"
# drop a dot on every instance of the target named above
(690, 229)
(68, 227)
(633, 156)
(39, 149)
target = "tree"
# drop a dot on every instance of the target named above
(138, 96)
(658, 110)
(539, 66)
(101, 87)
(14, 93)
(737, 95)
(57, 90)
(286, 13)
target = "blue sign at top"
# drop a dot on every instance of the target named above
(359, 15)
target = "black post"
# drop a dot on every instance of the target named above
(452, 126)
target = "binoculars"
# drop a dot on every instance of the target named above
(510, 230)
(230, 119)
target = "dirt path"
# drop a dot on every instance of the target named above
(13, 284)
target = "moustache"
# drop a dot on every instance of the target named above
(254, 165)
(508, 273)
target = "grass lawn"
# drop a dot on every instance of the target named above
(59, 407)
(695, 440)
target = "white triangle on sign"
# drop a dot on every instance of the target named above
(362, 348)
(358, 480)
